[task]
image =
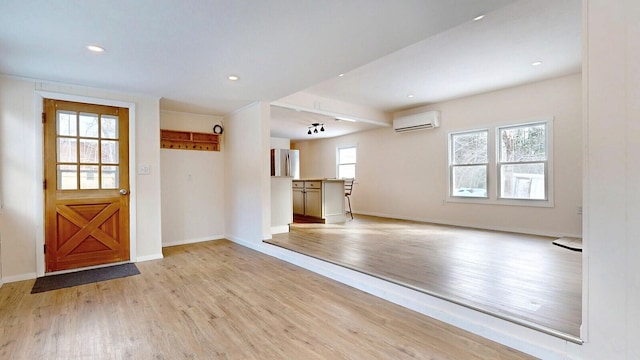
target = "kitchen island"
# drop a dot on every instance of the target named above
(320, 200)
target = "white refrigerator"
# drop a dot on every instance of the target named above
(285, 162)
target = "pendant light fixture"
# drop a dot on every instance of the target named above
(314, 126)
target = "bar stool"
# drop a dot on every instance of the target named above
(348, 188)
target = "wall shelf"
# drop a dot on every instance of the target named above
(187, 140)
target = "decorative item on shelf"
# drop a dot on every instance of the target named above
(314, 126)
(218, 129)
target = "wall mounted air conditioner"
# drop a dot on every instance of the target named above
(421, 121)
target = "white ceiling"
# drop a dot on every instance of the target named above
(183, 51)
(474, 57)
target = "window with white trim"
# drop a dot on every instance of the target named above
(522, 162)
(502, 165)
(346, 162)
(468, 163)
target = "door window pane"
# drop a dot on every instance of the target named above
(67, 150)
(110, 176)
(66, 123)
(88, 125)
(109, 152)
(109, 127)
(67, 177)
(88, 151)
(89, 177)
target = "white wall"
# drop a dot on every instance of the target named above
(21, 219)
(192, 184)
(280, 143)
(18, 134)
(612, 174)
(405, 175)
(247, 174)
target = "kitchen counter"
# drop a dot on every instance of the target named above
(319, 199)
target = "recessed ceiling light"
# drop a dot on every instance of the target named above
(95, 48)
(479, 17)
(340, 75)
(536, 63)
(410, 95)
(234, 77)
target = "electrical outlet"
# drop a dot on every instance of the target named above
(144, 169)
(579, 210)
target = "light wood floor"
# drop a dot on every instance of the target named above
(219, 300)
(514, 276)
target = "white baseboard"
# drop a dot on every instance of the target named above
(280, 229)
(473, 226)
(20, 277)
(149, 257)
(192, 241)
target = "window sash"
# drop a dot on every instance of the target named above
(517, 184)
(469, 168)
(471, 190)
(526, 185)
(501, 144)
(346, 169)
(452, 147)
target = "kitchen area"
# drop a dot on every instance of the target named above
(302, 200)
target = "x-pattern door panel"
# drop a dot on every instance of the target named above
(86, 185)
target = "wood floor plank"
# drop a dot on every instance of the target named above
(511, 275)
(219, 300)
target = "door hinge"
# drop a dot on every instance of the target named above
(45, 248)
(44, 184)
(44, 118)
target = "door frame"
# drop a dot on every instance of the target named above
(39, 174)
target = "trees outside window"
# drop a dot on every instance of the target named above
(469, 161)
(522, 162)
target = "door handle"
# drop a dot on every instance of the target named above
(123, 192)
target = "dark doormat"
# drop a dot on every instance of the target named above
(61, 281)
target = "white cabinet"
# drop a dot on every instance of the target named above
(313, 202)
(322, 199)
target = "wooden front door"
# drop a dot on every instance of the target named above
(86, 160)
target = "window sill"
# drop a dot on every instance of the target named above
(503, 202)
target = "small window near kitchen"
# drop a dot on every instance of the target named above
(468, 163)
(522, 162)
(346, 160)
